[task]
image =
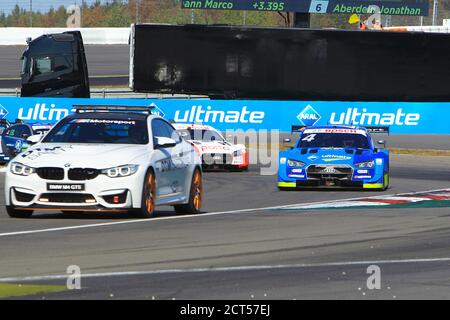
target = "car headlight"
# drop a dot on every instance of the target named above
(121, 171)
(295, 163)
(365, 164)
(21, 169)
(239, 153)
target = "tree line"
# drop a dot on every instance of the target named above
(119, 13)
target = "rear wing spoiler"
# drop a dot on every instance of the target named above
(5, 122)
(297, 128)
(377, 129)
(370, 129)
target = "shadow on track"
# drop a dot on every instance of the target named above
(97, 216)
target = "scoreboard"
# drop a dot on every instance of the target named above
(388, 7)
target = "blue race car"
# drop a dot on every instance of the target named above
(14, 138)
(334, 157)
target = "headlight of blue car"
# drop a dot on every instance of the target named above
(295, 163)
(365, 164)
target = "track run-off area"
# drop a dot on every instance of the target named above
(252, 241)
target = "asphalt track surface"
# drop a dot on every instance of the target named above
(229, 252)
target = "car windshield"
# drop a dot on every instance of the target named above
(40, 130)
(3, 128)
(200, 135)
(334, 140)
(113, 131)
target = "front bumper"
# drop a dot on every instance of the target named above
(224, 161)
(99, 194)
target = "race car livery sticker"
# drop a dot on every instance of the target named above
(334, 157)
(335, 130)
(37, 152)
(216, 148)
(105, 121)
(309, 137)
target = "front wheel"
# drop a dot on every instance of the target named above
(386, 182)
(15, 213)
(147, 209)
(195, 196)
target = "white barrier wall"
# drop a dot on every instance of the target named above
(99, 36)
(435, 29)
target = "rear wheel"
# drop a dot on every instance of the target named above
(147, 209)
(195, 196)
(15, 213)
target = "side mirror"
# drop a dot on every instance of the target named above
(32, 68)
(163, 142)
(382, 143)
(35, 138)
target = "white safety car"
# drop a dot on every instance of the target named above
(106, 158)
(215, 151)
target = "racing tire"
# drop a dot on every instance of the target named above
(195, 196)
(386, 176)
(15, 213)
(286, 189)
(147, 209)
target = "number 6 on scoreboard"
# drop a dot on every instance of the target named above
(318, 6)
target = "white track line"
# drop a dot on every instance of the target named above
(228, 269)
(106, 224)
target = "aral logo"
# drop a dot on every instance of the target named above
(156, 110)
(309, 116)
(3, 112)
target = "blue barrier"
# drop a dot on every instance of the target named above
(402, 117)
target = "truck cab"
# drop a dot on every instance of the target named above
(54, 65)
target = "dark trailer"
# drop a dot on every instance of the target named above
(54, 65)
(290, 64)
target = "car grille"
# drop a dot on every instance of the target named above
(329, 171)
(217, 158)
(50, 173)
(23, 197)
(83, 174)
(67, 198)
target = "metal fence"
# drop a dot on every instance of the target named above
(113, 93)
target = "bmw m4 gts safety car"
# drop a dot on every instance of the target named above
(215, 151)
(106, 158)
(334, 157)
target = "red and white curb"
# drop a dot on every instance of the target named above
(387, 200)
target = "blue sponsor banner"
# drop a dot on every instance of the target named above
(402, 117)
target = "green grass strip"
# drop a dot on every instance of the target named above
(9, 290)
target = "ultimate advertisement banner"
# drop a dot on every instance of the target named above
(401, 117)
